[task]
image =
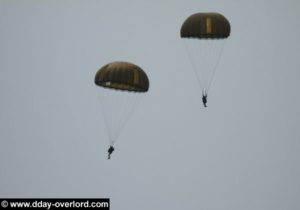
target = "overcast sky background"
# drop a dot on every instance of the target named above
(242, 152)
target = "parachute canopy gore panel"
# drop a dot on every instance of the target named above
(205, 26)
(122, 76)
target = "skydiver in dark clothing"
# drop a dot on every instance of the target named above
(204, 99)
(110, 150)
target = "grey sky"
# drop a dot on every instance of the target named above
(242, 152)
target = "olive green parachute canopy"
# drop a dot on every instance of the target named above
(122, 76)
(205, 25)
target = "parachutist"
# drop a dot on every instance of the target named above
(120, 80)
(204, 99)
(203, 33)
(110, 150)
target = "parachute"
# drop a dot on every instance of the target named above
(204, 36)
(121, 86)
